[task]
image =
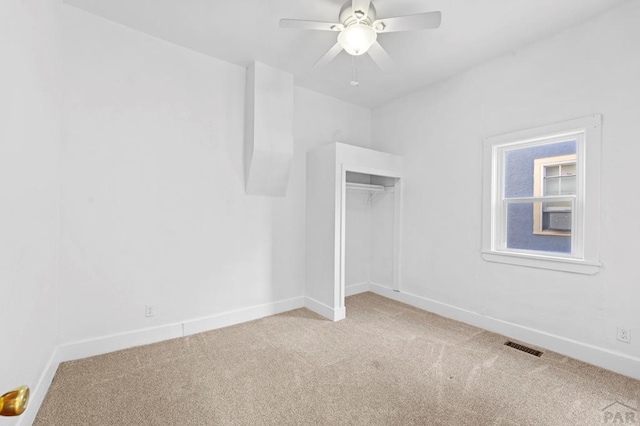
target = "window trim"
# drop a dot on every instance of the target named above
(586, 215)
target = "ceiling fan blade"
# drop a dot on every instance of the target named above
(380, 57)
(360, 8)
(328, 57)
(420, 21)
(310, 25)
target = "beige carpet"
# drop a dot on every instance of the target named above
(387, 364)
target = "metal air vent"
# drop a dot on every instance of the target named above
(524, 348)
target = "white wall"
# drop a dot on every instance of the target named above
(592, 68)
(29, 141)
(381, 229)
(357, 239)
(322, 227)
(153, 203)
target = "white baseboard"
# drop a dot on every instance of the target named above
(225, 319)
(605, 358)
(324, 310)
(352, 289)
(115, 342)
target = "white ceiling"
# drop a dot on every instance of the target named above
(242, 31)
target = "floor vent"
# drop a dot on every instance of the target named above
(524, 349)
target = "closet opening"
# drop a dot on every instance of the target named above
(370, 231)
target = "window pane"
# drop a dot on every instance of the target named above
(520, 228)
(556, 217)
(568, 169)
(568, 185)
(519, 167)
(556, 206)
(552, 171)
(552, 186)
(557, 221)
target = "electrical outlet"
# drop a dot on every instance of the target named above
(149, 311)
(624, 334)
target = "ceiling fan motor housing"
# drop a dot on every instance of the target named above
(347, 18)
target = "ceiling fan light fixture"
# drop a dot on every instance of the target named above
(356, 39)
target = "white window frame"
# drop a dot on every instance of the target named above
(584, 256)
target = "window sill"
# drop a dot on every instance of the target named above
(543, 262)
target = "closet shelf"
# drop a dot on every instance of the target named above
(366, 187)
(371, 190)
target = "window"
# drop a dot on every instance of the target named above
(542, 197)
(553, 176)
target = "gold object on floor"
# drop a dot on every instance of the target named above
(13, 403)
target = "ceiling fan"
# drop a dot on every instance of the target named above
(358, 30)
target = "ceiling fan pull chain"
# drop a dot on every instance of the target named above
(354, 73)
